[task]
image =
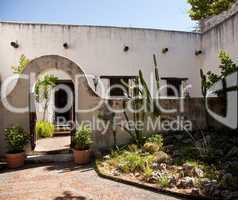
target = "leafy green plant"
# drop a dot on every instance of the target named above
(156, 139)
(132, 162)
(43, 88)
(151, 147)
(164, 181)
(227, 67)
(148, 172)
(23, 62)
(201, 9)
(82, 138)
(44, 129)
(16, 139)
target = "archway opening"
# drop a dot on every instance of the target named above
(53, 122)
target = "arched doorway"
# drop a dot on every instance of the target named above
(23, 90)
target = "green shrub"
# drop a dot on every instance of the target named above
(164, 181)
(16, 139)
(82, 138)
(132, 162)
(44, 129)
(156, 139)
(148, 172)
(151, 147)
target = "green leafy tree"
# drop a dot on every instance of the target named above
(201, 9)
(23, 62)
(227, 67)
(43, 88)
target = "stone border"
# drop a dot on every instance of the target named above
(147, 187)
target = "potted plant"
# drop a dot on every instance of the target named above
(16, 139)
(81, 145)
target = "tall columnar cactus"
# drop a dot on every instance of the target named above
(142, 96)
(203, 83)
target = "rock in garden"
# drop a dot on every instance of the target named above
(116, 173)
(188, 169)
(107, 157)
(156, 175)
(198, 172)
(172, 181)
(120, 167)
(161, 157)
(186, 182)
(162, 166)
(155, 165)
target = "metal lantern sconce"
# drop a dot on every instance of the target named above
(198, 52)
(126, 48)
(14, 44)
(165, 50)
(66, 45)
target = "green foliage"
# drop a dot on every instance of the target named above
(148, 172)
(164, 181)
(44, 129)
(16, 139)
(23, 62)
(151, 147)
(43, 88)
(227, 67)
(156, 139)
(153, 144)
(201, 9)
(82, 138)
(131, 162)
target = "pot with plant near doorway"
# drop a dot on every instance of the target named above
(16, 139)
(81, 145)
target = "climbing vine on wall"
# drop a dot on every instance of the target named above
(23, 62)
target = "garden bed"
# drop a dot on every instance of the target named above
(171, 169)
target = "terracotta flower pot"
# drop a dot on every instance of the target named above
(82, 157)
(15, 160)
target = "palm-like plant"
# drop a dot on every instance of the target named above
(43, 88)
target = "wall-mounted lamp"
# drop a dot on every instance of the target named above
(66, 45)
(95, 82)
(126, 48)
(14, 44)
(198, 52)
(165, 50)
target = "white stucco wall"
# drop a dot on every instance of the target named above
(222, 36)
(99, 50)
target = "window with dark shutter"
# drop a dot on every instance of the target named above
(174, 86)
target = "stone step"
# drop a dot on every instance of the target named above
(38, 159)
(58, 133)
